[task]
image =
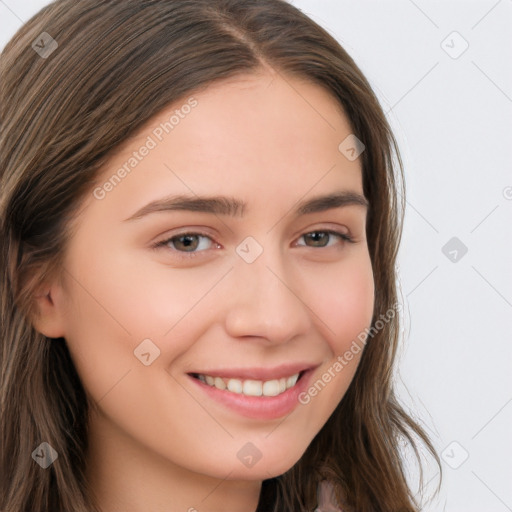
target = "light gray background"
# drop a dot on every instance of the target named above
(452, 115)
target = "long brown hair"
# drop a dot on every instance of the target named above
(117, 64)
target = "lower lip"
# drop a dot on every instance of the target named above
(258, 407)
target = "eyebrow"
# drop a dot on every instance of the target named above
(224, 205)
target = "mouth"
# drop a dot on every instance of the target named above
(259, 393)
(250, 387)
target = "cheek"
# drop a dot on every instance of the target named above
(138, 300)
(118, 303)
(344, 309)
(343, 300)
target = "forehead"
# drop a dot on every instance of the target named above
(261, 137)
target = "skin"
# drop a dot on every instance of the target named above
(156, 441)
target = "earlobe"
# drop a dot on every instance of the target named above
(47, 318)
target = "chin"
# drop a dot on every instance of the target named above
(259, 472)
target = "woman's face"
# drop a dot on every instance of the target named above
(246, 297)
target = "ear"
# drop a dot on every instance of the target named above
(48, 317)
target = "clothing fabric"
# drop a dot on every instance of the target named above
(326, 498)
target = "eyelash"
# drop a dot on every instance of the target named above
(184, 254)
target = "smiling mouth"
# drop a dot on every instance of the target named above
(250, 387)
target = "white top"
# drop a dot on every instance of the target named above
(326, 498)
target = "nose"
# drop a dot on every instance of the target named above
(265, 302)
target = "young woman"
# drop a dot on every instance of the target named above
(199, 226)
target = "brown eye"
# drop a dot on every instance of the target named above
(322, 238)
(318, 238)
(186, 243)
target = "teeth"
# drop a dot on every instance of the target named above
(292, 380)
(271, 388)
(251, 387)
(218, 383)
(234, 385)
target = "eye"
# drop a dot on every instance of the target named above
(187, 243)
(321, 238)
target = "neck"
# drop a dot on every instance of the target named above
(124, 475)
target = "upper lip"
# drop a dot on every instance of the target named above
(258, 373)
